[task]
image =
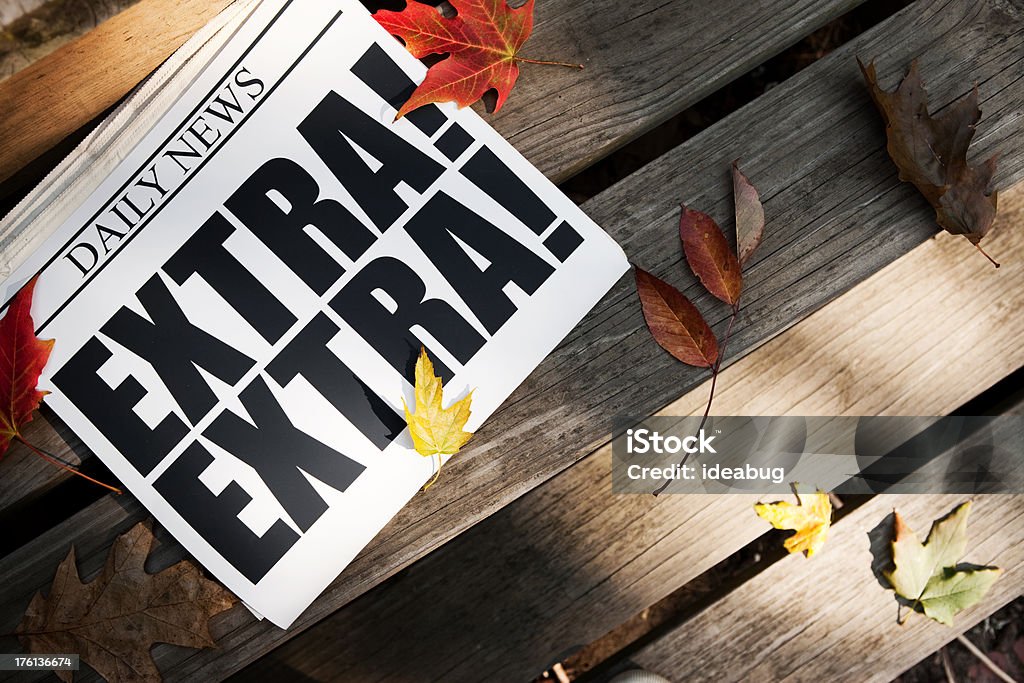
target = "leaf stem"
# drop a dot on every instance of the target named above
(978, 247)
(55, 461)
(526, 60)
(437, 472)
(715, 369)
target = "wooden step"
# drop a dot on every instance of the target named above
(837, 214)
(829, 618)
(568, 562)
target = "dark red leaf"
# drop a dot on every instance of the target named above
(710, 257)
(675, 322)
(749, 215)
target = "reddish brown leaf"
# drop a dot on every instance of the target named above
(931, 153)
(22, 358)
(675, 322)
(710, 257)
(749, 215)
(483, 42)
(114, 621)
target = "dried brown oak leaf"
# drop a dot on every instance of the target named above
(931, 153)
(113, 621)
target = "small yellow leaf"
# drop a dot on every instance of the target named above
(436, 431)
(811, 520)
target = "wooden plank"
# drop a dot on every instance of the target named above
(801, 620)
(619, 97)
(26, 475)
(621, 94)
(567, 562)
(32, 29)
(838, 213)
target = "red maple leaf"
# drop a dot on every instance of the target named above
(22, 358)
(483, 42)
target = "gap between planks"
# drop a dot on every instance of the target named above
(568, 562)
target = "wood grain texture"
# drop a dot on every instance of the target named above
(32, 29)
(568, 562)
(43, 103)
(829, 618)
(621, 94)
(618, 97)
(836, 213)
(26, 475)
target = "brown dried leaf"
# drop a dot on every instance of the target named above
(931, 153)
(749, 215)
(676, 323)
(113, 621)
(710, 257)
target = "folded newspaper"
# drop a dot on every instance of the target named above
(241, 264)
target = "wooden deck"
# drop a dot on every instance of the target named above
(523, 555)
(577, 566)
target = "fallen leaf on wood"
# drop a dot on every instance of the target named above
(675, 323)
(673, 320)
(710, 257)
(931, 152)
(749, 215)
(810, 519)
(22, 359)
(23, 356)
(113, 621)
(482, 41)
(436, 431)
(927, 575)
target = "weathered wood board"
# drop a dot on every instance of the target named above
(675, 57)
(32, 29)
(837, 214)
(830, 618)
(45, 102)
(568, 562)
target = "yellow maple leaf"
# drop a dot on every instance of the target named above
(810, 519)
(436, 431)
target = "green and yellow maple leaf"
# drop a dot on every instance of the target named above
(927, 574)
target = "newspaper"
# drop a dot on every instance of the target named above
(240, 296)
